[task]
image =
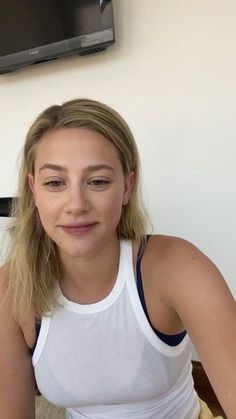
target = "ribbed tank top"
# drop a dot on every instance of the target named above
(104, 361)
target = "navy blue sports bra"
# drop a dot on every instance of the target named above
(171, 340)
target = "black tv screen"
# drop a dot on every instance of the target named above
(32, 31)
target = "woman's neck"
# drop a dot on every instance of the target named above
(89, 279)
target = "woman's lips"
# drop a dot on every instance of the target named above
(79, 229)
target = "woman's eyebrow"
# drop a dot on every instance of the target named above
(97, 167)
(92, 168)
(53, 167)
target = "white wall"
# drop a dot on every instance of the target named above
(172, 76)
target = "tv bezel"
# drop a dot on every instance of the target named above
(85, 44)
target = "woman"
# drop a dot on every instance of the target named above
(111, 305)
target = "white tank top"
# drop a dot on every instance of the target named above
(104, 361)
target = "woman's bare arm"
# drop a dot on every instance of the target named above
(196, 290)
(17, 387)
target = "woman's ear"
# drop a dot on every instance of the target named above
(31, 182)
(129, 183)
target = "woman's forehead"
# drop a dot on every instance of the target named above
(78, 146)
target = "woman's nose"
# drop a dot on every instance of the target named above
(77, 201)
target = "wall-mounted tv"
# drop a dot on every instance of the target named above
(33, 31)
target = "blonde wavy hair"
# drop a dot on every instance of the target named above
(34, 265)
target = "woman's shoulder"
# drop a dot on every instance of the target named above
(174, 264)
(169, 242)
(170, 251)
(27, 328)
(17, 388)
(181, 272)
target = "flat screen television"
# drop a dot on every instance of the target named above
(33, 31)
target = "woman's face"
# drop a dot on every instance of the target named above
(79, 189)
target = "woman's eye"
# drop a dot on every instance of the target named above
(54, 184)
(99, 182)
